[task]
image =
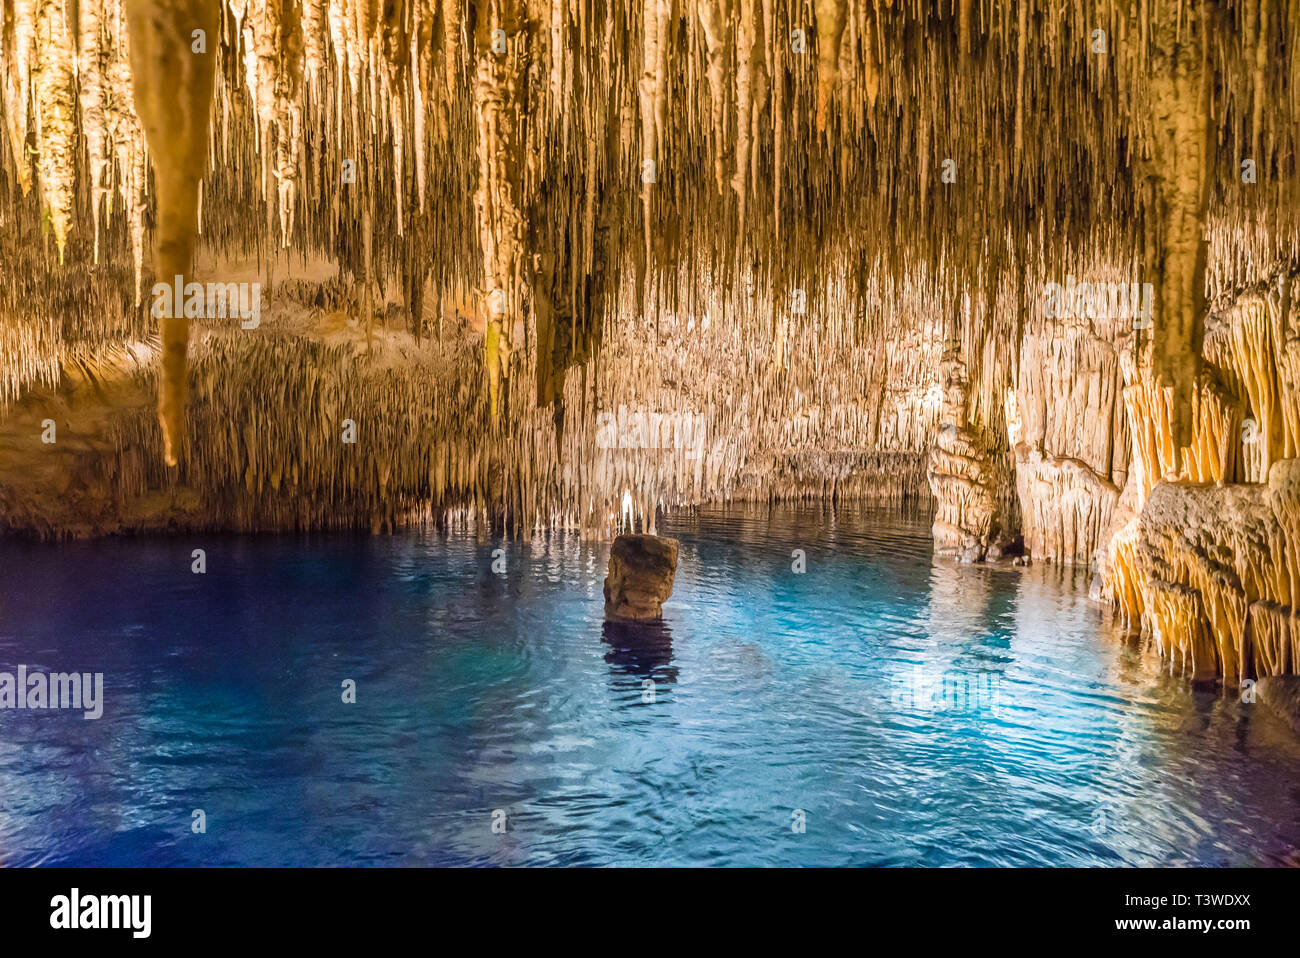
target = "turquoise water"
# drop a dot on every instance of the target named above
(881, 708)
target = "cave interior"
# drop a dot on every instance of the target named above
(527, 265)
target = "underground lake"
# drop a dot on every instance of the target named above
(883, 706)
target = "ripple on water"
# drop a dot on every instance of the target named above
(908, 711)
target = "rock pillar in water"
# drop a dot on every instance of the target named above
(641, 573)
(960, 473)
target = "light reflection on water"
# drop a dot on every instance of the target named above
(916, 712)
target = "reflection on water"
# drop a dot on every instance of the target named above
(915, 711)
(640, 649)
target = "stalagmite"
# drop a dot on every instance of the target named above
(960, 475)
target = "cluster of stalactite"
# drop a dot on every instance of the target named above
(45, 324)
(74, 150)
(538, 151)
(320, 433)
(67, 85)
(1216, 570)
(1202, 548)
(1065, 423)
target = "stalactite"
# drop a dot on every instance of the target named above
(502, 39)
(1123, 581)
(715, 21)
(173, 96)
(90, 66)
(1180, 104)
(748, 84)
(314, 16)
(831, 18)
(288, 118)
(1070, 456)
(1242, 343)
(54, 98)
(652, 98)
(419, 58)
(126, 137)
(1216, 435)
(1150, 418)
(1275, 638)
(19, 48)
(1206, 555)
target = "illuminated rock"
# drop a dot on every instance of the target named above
(640, 579)
(961, 474)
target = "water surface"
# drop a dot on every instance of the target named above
(881, 708)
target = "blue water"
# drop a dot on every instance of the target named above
(882, 708)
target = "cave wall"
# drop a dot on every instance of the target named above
(1066, 429)
(803, 412)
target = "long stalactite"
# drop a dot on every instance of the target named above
(172, 71)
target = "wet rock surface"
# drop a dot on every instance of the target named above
(640, 579)
(1281, 693)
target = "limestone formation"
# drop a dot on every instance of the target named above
(640, 579)
(1281, 693)
(1065, 426)
(961, 474)
(173, 96)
